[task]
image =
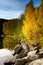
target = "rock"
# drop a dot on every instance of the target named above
(25, 46)
(26, 55)
(21, 50)
(37, 62)
(21, 55)
(32, 55)
(35, 47)
(24, 51)
(31, 47)
(14, 58)
(17, 49)
(21, 61)
(41, 53)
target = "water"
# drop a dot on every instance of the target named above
(5, 56)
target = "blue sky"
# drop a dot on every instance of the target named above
(14, 8)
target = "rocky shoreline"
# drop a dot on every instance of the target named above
(25, 54)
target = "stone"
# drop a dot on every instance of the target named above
(41, 53)
(20, 62)
(21, 49)
(37, 62)
(26, 55)
(17, 49)
(25, 46)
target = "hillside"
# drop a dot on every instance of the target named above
(28, 28)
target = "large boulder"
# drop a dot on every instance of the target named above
(21, 50)
(37, 62)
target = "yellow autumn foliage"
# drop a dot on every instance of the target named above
(30, 28)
